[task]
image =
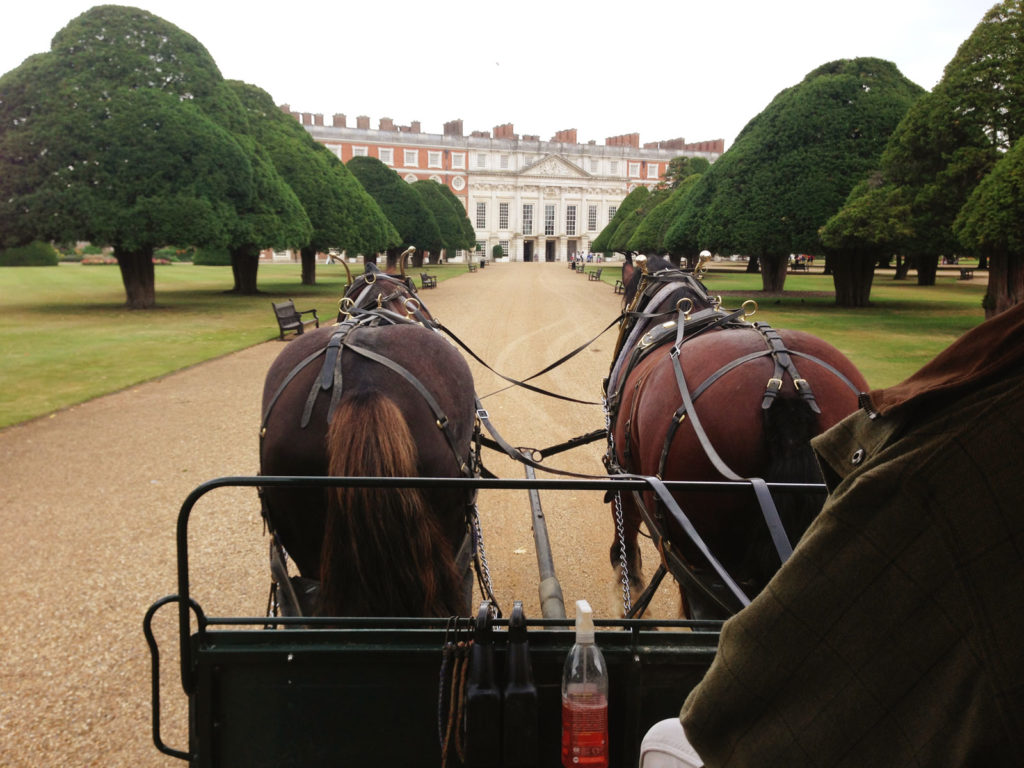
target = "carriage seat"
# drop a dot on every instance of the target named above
(428, 281)
(290, 319)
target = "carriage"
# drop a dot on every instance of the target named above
(457, 682)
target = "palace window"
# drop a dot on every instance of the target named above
(527, 219)
(570, 219)
(360, 152)
(481, 215)
(504, 162)
(458, 159)
(634, 169)
(502, 215)
(652, 170)
(434, 159)
(592, 219)
(611, 212)
(480, 245)
(386, 155)
(411, 158)
(594, 164)
(504, 247)
(549, 219)
(481, 160)
(613, 167)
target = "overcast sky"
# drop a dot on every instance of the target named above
(660, 68)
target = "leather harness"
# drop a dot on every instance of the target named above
(354, 315)
(687, 325)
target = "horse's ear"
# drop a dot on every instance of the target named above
(628, 270)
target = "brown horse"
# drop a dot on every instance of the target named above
(377, 395)
(699, 393)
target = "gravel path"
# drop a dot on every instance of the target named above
(89, 498)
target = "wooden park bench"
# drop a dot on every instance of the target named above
(290, 319)
(472, 267)
(619, 287)
(428, 281)
(966, 274)
(594, 274)
(798, 266)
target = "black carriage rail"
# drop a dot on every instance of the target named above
(327, 691)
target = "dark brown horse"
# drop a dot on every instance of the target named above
(377, 395)
(739, 401)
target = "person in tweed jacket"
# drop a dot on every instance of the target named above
(893, 635)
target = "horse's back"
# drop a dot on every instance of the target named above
(297, 401)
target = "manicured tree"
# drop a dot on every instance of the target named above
(401, 204)
(649, 237)
(952, 137)
(621, 239)
(468, 240)
(860, 234)
(343, 215)
(118, 135)
(449, 220)
(683, 167)
(990, 224)
(632, 201)
(793, 166)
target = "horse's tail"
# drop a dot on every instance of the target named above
(789, 425)
(384, 552)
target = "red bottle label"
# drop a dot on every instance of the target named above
(585, 731)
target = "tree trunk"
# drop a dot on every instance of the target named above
(902, 267)
(927, 268)
(138, 277)
(417, 258)
(852, 274)
(773, 272)
(753, 265)
(391, 258)
(308, 256)
(245, 263)
(1005, 283)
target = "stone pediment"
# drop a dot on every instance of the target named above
(555, 165)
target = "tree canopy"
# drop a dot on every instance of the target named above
(948, 141)
(343, 215)
(649, 235)
(449, 214)
(794, 164)
(621, 239)
(632, 201)
(682, 167)
(122, 135)
(990, 223)
(405, 208)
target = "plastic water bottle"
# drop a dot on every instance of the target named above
(585, 698)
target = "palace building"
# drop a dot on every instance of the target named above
(538, 200)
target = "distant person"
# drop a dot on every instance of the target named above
(892, 636)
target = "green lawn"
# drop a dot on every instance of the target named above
(65, 336)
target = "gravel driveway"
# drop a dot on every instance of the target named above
(90, 495)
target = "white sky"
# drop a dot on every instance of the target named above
(661, 68)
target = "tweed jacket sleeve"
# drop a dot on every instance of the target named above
(891, 637)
